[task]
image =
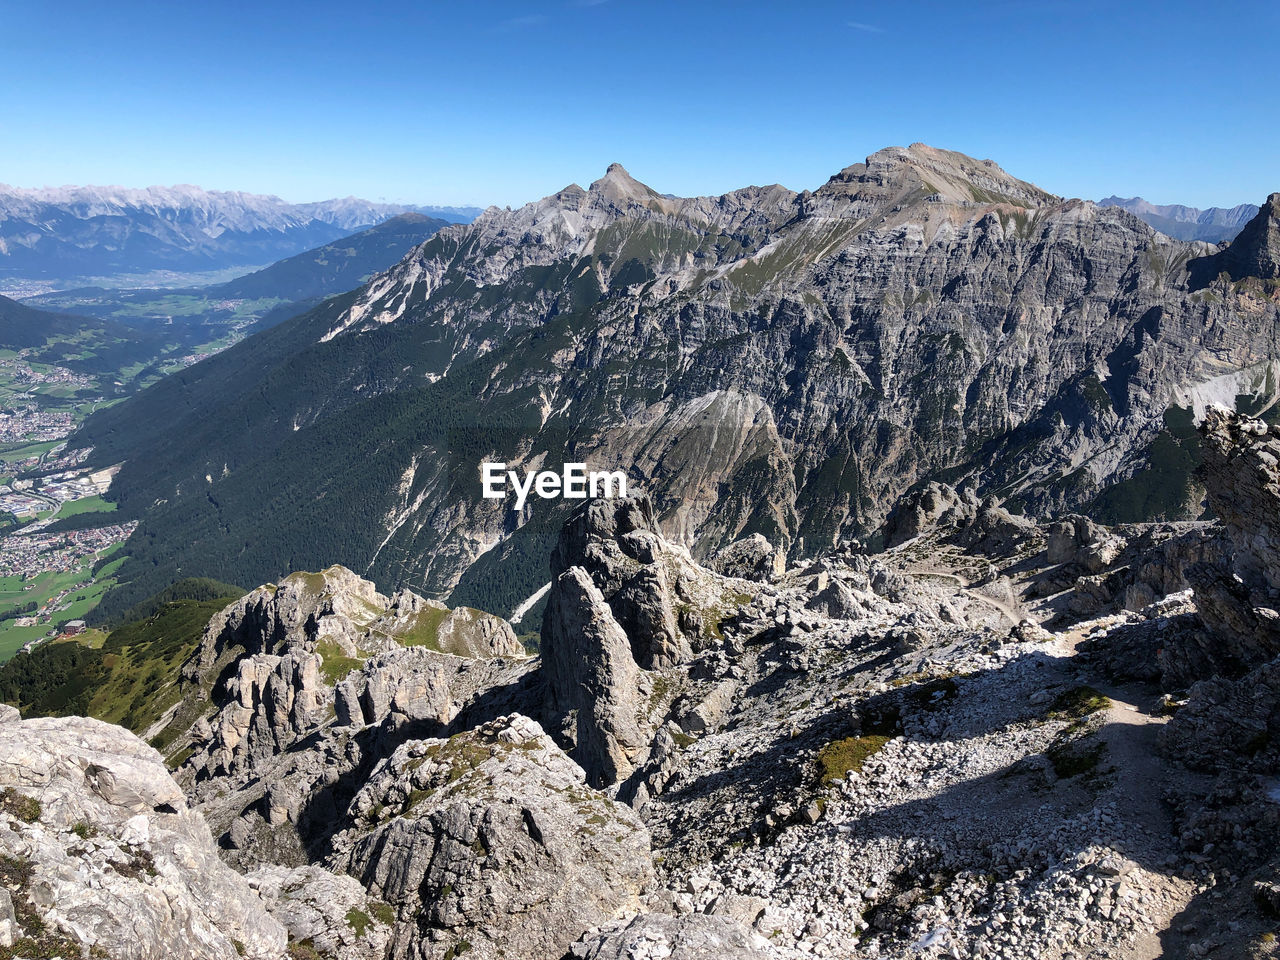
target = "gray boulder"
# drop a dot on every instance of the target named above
(329, 911)
(838, 601)
(751, 558)
(109, 857)
(1078, 540)
(493, 839)
(935, 504)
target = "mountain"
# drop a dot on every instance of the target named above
(1188, 223)
(123, 340)
(335, 267)
(71, 234)
(760, 362)
(1256, 250)
(451, 214)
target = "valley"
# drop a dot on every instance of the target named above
(57, 537)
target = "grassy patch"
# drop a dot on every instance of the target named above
(415, 797)
(1077, 703)
(71, 508)
(178, 759)
(425, 631)
(130, 679)
(19, 805)
(359, 921)
(138, 863)
(336, 664)
(12, 452)
(79, 589)
(839, 757)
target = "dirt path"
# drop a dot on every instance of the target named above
(1143, 831)
(1130, 730)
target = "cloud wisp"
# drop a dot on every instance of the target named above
(522, 23)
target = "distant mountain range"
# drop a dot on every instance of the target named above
(302, 281)
(70, 236)
(1188, 223)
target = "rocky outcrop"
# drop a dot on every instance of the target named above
(1078, 540)
(958, 516)
(1241, 473)
(667, 605)
(1227, 724)
(287, 807)
(106, 856)
(623, 601)
(1255, 252)
(330, 912)
(467, 632)
(1233, 716)
(752, 558)
(338, 612)
(271, 701)
(275, 662)
(592, 679)
(690, 937)
(300, 612)
(932, 505)
(996, 533)
(405, 684)
(1137, 566)
(493, 839)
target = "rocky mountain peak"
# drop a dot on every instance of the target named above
(920, 170)
(1256, 251)
(620, 187)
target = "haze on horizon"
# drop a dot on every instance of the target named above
(504, 102)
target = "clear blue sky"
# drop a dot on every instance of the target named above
(480, 101)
